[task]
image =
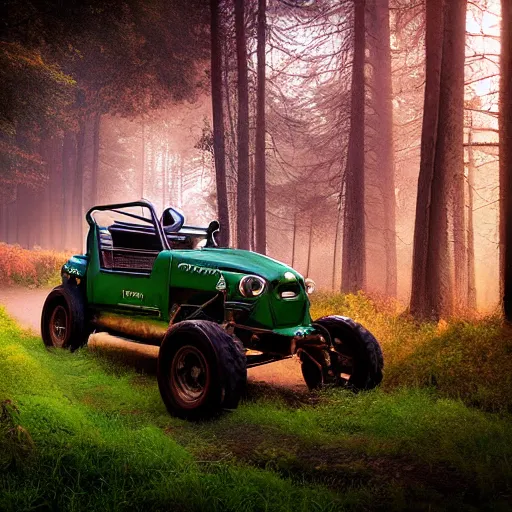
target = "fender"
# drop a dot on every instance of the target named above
(76, 267)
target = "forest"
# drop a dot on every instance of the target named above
(362, 145)
(357, 141)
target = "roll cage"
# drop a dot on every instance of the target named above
(170, 229)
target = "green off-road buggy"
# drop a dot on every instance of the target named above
(213, 311)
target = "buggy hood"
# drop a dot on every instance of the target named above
(236, 260)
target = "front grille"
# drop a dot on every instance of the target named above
(120, 260)
(288, 290)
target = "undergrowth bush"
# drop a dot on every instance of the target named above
(29, 267)
(466, 359)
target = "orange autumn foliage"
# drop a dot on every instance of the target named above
(35, 267)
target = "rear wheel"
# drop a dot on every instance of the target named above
(201, 370)
(63, 319)
(354, 360)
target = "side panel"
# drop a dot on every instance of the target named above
(125, 291)
(196, 275)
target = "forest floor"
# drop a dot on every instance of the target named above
(82, 431)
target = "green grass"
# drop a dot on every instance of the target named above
(82, 433)
(462, 359)
(96, 438)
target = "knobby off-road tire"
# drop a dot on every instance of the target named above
(63, 319)
(201, 370)
(313, 375)
(357, 361)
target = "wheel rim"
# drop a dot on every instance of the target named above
(58, 326)
(189, 376)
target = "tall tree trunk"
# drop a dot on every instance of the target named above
(230, 122)
(12, 222)
(243, 182)
(470, 233)
(180, 181)
(294, 238)
(219, 145)
(78, 186)
(35, 221)
(174, 179)
(231, 166)
(353, 271)
(505, 125)
(310, 244)
(150, 163)
(165, 176)
(96, 129)
(382, 137)
(260, 178)
(26, 203)
(441, 156)
(4, 224)
(252, 216)
(7, 196)
(56, 194)
(452, 87)
(449, 163)
(422, 242)
(44, 232)
(68, 178)
(24, 208)
(143, 159)
(335, 249)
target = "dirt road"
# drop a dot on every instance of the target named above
(25, 306)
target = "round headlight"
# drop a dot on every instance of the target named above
(310, 286)
(290, 276)
(251, 286)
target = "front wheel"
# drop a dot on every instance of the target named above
(201, 370)
(63, 319)
(354, 359)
